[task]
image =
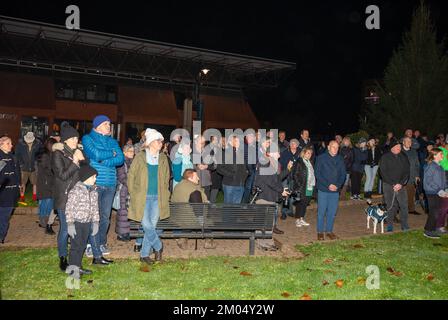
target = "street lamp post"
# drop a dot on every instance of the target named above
(196, 94)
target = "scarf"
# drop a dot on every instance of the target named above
(311, 179)
(151, 159)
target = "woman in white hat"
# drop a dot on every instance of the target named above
(148, 185)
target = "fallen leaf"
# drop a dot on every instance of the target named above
(211, 289)
(430, 277)
(361, 280)
(226, 261)
(339, 283)
(306, 296)
(358, 246)
(327, 261)
(236, 267)
(246, 274)
(325, 282)
(286, 294)
(393, 272)
(144, 268)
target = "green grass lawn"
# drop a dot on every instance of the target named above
(411, 267)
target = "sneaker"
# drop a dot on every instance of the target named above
(354, 197)
(442, 230)
(304, 223)
(299, 223)
(104, 250)
(431, 234)
(89, 251)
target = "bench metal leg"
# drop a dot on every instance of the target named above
(252, 245)
(196, 244)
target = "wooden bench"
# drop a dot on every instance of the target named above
(217, 221)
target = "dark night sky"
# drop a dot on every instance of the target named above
(328, 40)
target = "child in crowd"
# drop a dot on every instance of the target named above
(82, 217)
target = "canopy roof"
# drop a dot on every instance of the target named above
(32, 44)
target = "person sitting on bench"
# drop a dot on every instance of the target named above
(188, 190)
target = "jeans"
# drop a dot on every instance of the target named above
(327, 206)
(105, 200)
(248, 188)
(151, 216)
(400, 201)
(139, 241)
(5, 215)
(45, 207)
(233, 194)
(63, 234)
(370, 177)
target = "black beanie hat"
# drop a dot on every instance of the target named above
(393, 143)
(67, 131)
(85, 172)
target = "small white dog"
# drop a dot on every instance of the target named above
(378, 213)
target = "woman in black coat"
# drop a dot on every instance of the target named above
(45, 185)
(304, 183)
(9, 185)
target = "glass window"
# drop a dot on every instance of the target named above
(82, 91)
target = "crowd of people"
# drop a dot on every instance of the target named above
(80, 180)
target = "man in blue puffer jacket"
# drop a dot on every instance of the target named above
(105, 155)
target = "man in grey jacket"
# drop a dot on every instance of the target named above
(414, 173)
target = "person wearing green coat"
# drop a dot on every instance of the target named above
(148, 184)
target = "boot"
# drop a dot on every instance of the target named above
(63, 264)
(49, 230)
(158, 255)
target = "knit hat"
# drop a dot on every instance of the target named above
(85, 172)
(67, 131)
(151, 135)
(362, 140)
(99, 120)
(29, 137)
(393, 143)
(294, 141)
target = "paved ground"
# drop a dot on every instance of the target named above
(350, 223)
